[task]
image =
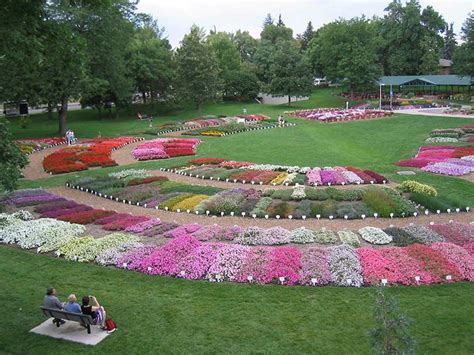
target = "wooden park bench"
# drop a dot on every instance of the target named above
(84, 319)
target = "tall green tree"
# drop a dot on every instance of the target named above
(392, 333)
(405, 30)
(268, 21)
(12, 160)
(306, 36)
(464, 54)
(290, 73)
(246, 45)
(450, 42)
(345, 51)
(197, 72)
(150, 59)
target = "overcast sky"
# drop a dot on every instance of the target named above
(177, 16)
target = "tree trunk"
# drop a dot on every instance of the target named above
(144, 97)
(50, 110)
(289, 99)
(199, 107)
(63, 116)
(152, 93)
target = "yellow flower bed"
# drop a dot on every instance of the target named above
(279, 179)
(189, 203)
(212, 133)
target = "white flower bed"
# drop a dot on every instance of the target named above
(298, 192)
(349, 237)
(324, 236)
(289, 179)
(468, 158)
(32, 234)
(441, 140)
(110, 256)
(375, 235)
(302, 236)
(130, 173)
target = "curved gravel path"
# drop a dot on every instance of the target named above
(34, 170)
(338, 224)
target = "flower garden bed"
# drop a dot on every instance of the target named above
(234, 128)
(164, 148)
(205, 122)
(97, 152)
(28, 146)
(268, 174)
(132, 187)
(451, 135)
(204, 252)
(444, 160)
(338, 115)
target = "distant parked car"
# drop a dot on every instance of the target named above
(322, 82)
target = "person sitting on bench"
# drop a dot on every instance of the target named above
(96, 311)
(51, 301)
(143, 117)
(72, 305)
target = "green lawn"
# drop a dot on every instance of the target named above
(167, 315)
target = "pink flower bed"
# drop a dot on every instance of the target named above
(228, 262)
(255, 266)
(184, 230)
(314, 176)
(458, 256)
(457, 233)
(405, 267)
(163, 148)
(315, 267)
(196, 264)
(140, 227)
(333, 114)
(132, 259)
(441, 160)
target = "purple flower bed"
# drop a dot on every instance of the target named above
(327, 176)
(141, 227)
(132, 260)
(447, 169)
(33, 200)
(160, 229)
(196, 264)
(345, 266)
(64, 211)
(55, 205)
(228, 262)
(315, 266)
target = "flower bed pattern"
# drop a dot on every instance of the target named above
(164, 148)
(337, 115)
(444, 160)
(97, 152)
(187, 257)
(32, 145)
(264, 174)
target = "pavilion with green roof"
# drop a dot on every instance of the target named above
(429, 83)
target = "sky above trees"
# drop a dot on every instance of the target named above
(230, 15)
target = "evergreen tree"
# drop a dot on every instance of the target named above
(280, 22)
(268, 21)
(306, 36)
(391, 336)
(450, 42)
(197, 72)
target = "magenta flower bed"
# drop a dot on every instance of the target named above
(184, 230)
(125, 223)
(256, 266)
(64, 211)
(315, 267)
(405, 267)
(284, 262)
(376, 266)
(327, 176)
(163, 148)
(132, 260)
(458, 256)
(165, 260)
(415, 163)
(457, 233)
(196, 264)
(228, 262)
(143, 226)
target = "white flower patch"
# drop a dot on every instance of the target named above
(32, 234)
(289, 179)
(130, 173)
(375, 235)
(298, 192)
(110, 256)
(302, 236)
(349, 237)
(468, 158)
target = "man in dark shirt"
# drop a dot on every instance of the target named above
(51, 301)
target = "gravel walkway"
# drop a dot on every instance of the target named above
(34, 170)
(182, 218)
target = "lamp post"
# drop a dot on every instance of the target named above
(380, 96)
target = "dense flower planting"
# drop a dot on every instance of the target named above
(164, 148)
(336, 115)
(247, 172)
(28, 146)
(96, 152)
(444, 160)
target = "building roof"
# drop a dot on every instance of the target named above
(436, 80)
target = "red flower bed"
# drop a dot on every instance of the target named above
(86, 217)
(111, 218)
(147, 180)
(367, 178)
(463, 151)
(266, 176)
(432, 262)
(61, 212)
(415, 163)
(95, 153)
(205, 161)
(124, 223)
(245, 175)
(180, 151)
(231, 164)
(377, 178)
